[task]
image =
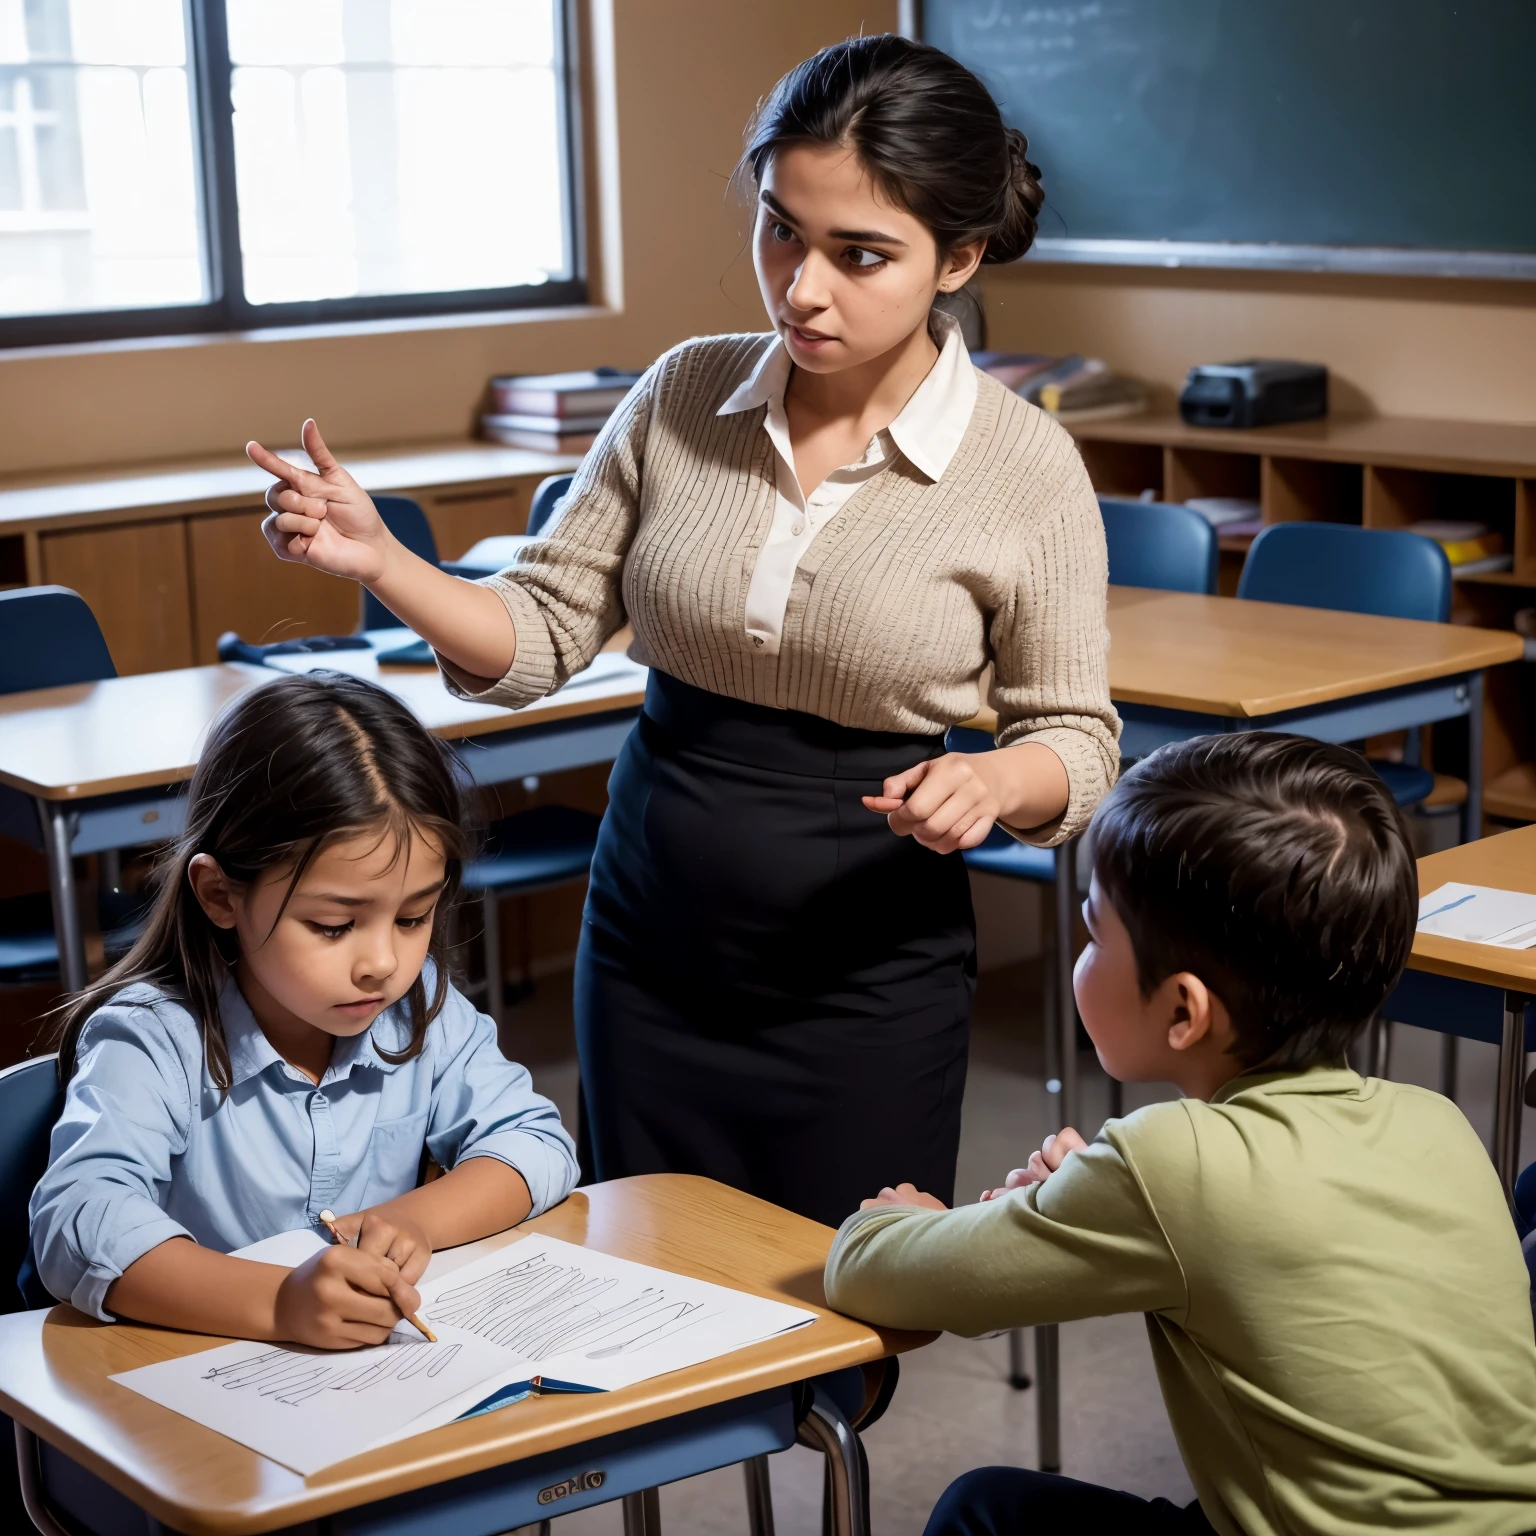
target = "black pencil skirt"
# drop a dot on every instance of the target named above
(772, 989)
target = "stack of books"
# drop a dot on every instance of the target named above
(1072, 388)
(1474, 549)
(554, 412)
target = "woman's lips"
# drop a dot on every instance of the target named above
(361, 1006)
(808, 339)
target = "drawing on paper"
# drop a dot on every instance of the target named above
(539, 1308)
(290, 1378)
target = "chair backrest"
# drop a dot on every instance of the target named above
(30, 1100)
(1159, 544)
(405, 519)
(49, 638)
(1389, 572)
(546, 502)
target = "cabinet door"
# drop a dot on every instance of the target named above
(239, 584)
(461, 521)
(134, 576)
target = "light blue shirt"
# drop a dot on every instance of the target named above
(148, 1148)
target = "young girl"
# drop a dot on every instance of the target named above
(830, 539)
(284, 1039)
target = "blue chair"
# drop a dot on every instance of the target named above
(1159, 544)
(1394, 574)
(547, 496)
(30, 1100)
(405, 519)
(49, 638)
(534, 851)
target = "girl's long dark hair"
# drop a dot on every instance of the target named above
(926, 129)
(289, 768)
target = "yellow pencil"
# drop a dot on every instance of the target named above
(328, 1220)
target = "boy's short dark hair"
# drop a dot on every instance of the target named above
(1275, 868)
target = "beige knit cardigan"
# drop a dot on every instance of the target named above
(908, 600)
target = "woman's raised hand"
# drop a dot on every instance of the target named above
(322, 518)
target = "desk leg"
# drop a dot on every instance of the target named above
(825, 1429)
(1472, 812)
(1509, 1102)
(642, 1513)
(759, 1496)
(1066, 1004)
(1048, 1397)
(58, 836)
(33, 1499)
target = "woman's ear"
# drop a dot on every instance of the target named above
(212, 888)
(959, 267)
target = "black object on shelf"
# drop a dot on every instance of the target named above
(1254, 393)
(232, 648)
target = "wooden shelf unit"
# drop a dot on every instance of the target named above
(1374, 472)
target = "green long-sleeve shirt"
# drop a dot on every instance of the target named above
(1338, 1306)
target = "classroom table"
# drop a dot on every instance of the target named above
(1476, 990)
(101, 766)
(55, 1364)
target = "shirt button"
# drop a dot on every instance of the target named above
(797, 529)
(320, 1099)
(757, 640)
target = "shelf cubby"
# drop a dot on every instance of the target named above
(1312, 491)
(1191, 472)
(1124, 469)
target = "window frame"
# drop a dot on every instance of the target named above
(228, 310)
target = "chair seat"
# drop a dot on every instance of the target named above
(33, 955)
(1004, 855)
(1409, 785)
(545, 846)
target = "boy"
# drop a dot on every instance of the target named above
(1335, 1294)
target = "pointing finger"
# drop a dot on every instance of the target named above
(300, 479)
(314, 446)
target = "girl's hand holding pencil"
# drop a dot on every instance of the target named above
(343, 1298)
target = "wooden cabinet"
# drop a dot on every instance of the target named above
(135, 579)
(239, 584)
(461, 520)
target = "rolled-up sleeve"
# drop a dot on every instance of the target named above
(564, 594)
(1050, 646)
(485, 1106)
(98, 1207)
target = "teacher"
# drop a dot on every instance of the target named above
(829, 539)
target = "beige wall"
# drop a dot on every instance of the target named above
(684, 76)
(1401, 347)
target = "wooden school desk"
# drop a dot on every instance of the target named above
(103, 765)
(1476, 990)
(54, 1369)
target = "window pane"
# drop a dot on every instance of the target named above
(396, 146)
(98, 181)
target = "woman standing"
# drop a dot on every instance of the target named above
(826, 539)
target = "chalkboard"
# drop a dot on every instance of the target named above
(1389, 134)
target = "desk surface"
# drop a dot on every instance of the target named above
(54, 1369)
(1506, 862)
(140, 732)
(72, 498)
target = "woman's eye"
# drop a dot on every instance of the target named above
(328, 932)
(859, 257)
(780, 232)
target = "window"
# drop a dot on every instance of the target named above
(188, 165)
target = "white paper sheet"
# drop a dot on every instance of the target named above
(1480, 915)
(309, 1408)
(535, 1307)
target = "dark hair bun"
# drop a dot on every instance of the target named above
(927, 129)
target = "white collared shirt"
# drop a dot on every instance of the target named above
(927, 432)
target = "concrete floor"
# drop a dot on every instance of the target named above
(954, 1409)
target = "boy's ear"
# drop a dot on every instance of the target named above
(211, 887)
(1191, 1009)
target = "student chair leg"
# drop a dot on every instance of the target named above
(58, 836)
(642, 1513)
(1066, 1003)
(1449, 1060)
(1048, 1399)
(825, 1429)
(1509, 1099)
(33, 1499)
(759, 1496)
(1018, 1374)
(495, 982)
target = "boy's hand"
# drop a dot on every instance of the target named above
(1042, 1164)
(322, 518)
(395, 1238)
(904, 1194)
(342, 1298)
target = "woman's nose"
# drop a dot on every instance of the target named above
(808, 290)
